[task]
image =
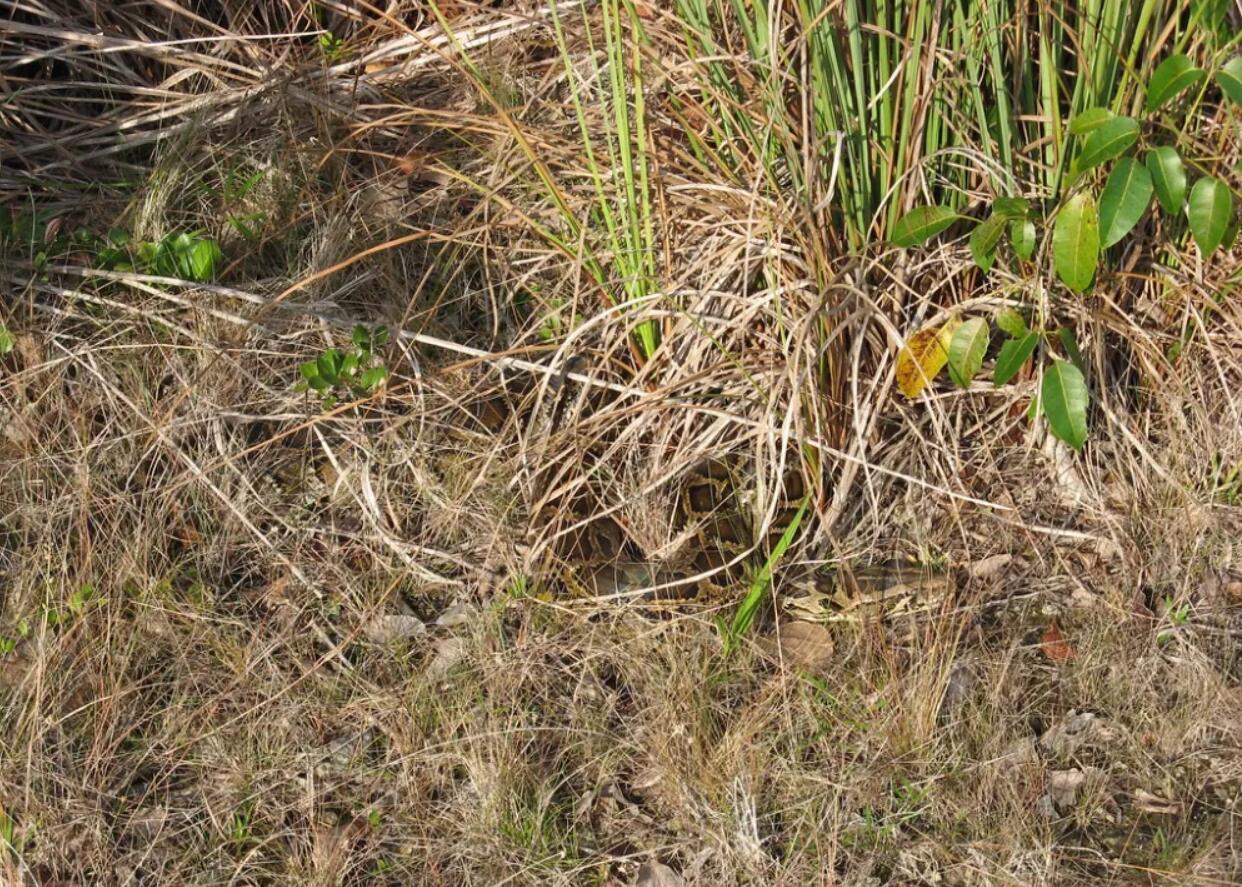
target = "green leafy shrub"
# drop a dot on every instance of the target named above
(189, 256)
(1088, 221)
(358, 372)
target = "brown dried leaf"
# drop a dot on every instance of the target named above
(449, 652)
(1055, 646)
(1149, 803)
(393, 627)
(990, 566)
(1063, 787)
(1139, 611)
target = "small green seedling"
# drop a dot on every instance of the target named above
(332, 47)
(358, 372)
(1177, 616)
(186, 255)
(236, 188)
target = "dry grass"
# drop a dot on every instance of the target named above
(253, 641)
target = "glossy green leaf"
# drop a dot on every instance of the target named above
(984, 239)
(966, 350)
(1229, 78)
(309, 370)
(329, 366)
(1022, 237)
(1069, 342)
(1109, 140)
(372, 378)
(1126, 196)
(1064, 398)
(762, 580)
(1013, 354)
(1209, 211)
(1076, 242)
(1011, 207)
(1010, 321)
(201, 260)
(1168, 176)
(1089, 120)
(1171, 77)
(922, 224)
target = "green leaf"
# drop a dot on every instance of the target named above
(1069, 342)
(1064, 396)
(1013, 354)
(319, 383)
(1011, 207)
(1229, 78)
(759, 586)
(1168, 175)
(372, 377)
(329, 366)
(349, 365)
(966, 350)
(1231, 234)
(380, 335)
(309, 370)
(1171, 77)
(6, 340)
(922, 224)
(1108, 141)
(983, 241)
(359, 336)
(1126, 197)
(1076, 242)
(1011, 321)
(1209, 210)
(1022, 237)
(201, 260)
(1089, 120)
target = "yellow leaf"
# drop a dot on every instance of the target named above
(924, 355)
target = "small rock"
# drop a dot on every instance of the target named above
(655, 874)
